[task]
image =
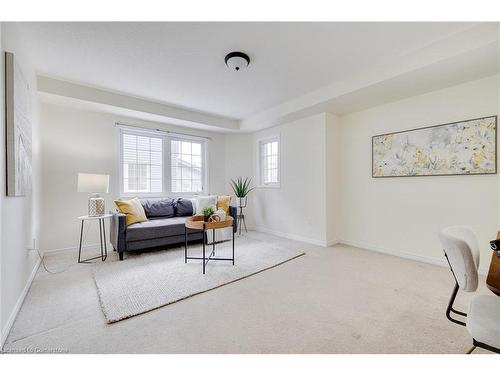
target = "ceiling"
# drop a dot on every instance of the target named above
(182, 64)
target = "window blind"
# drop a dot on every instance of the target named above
(142, 163)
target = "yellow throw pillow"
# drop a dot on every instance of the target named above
(133, 209)
(223, 202)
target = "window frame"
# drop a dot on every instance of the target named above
(260, 166)
(166, 182)
(204, 164)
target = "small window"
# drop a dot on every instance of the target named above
(187, 166)
(269, 162)
(142, 163)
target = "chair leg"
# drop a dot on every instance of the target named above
(471, 349)
(481, 345)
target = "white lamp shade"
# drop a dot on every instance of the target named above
(93, 183)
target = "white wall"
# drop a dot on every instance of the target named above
(240, 163)
(404, 215)
(297, 208)
(19, 215)
(75, 140)
(333, 167)
(327, 193)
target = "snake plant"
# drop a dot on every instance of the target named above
(241, 187)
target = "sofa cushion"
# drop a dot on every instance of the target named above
(164, 241)
(205, 201)
(223, 203)
(158, 207)
(194, 201)
(156, 228)
(183, 207)
(133, 209)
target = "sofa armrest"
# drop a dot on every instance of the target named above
(234, 213)
(118, 231)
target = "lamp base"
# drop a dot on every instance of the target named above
(96, 206)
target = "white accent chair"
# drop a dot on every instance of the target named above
(461, 250)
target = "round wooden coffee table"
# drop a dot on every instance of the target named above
(196, 222)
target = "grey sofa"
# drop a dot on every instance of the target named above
(165, 226)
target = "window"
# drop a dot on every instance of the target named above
(186, 165)
(142, 158)
(269, 161)
(157, 164)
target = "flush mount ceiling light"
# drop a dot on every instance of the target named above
(237, 60)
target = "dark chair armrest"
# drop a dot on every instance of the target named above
(234, 213)
(118, 231)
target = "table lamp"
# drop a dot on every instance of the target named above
(94, 184)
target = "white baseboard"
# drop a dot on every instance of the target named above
(396, 252)
(379, 249)
(332, 242)
(403, 254)
(75, 248)
(19, 303)
(361, 245)
(295, 237)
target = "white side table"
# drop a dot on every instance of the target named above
(102, 237)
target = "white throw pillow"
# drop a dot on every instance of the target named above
(194, 201)
(205, 201)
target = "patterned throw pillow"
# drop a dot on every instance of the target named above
(133, 209)
(223, 202)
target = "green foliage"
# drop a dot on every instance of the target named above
(207, 211)
(241, 187)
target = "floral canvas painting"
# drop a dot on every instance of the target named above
(465, 147)
(18, 129)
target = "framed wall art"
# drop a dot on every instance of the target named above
(18, 129)
(466, 147)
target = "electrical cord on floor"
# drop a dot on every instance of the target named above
(42, 259)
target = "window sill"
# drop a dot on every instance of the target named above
(160, 195)
(142, 195)
(269, 187)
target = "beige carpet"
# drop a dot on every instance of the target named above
(151, 280)
(332, 300)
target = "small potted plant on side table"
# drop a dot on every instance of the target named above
(207, 212)
(241, 188)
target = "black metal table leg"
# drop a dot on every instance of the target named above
(204, 248)
(104, 237)
(103, 247)
(240, 216)
(80, 246)
(100, 238)
(213, 241)
(211, 256)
